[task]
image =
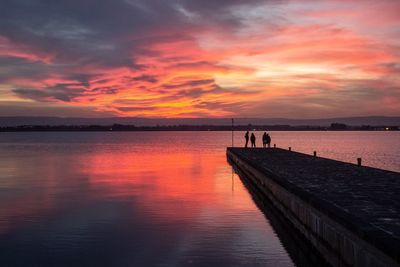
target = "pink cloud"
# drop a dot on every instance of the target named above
(221, 68)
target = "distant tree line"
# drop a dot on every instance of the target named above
(122, 127)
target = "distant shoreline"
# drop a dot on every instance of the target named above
(200, 128)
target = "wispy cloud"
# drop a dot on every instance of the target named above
(202, 58)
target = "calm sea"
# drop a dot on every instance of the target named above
(151, 198)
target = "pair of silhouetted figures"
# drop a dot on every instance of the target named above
(265, 138)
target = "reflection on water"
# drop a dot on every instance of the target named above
(117, 199)
(299, 248)
(137, 199)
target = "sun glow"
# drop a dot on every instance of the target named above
(195, 64)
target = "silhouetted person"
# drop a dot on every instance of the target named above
(266, 140)
(246, 136)
(253, 140)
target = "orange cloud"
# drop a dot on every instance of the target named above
(222, 67)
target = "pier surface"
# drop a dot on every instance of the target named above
(364, 202)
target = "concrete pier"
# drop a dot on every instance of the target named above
(350, 214)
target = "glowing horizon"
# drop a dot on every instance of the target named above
(297, 59)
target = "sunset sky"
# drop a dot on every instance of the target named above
(199, 58)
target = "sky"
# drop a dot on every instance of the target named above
(200, 58)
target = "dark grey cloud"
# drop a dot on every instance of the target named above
(142, 78)
(11, 108)
(63, 92)
(14, 67)
(192, 93)
(91, 32)
(102, 31)
(105, 90)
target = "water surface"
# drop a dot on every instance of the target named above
(147, 198)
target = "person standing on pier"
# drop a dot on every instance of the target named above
(253, 140)
(264, 139)
(246, 136)
(268, 140)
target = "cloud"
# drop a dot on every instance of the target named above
(143, 78)
(201, 57)
(61, 92)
